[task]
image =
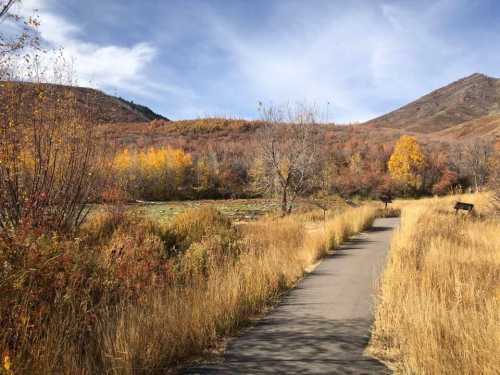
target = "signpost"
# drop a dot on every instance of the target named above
(385, 198)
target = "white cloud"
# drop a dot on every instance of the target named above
(110, 65)
(317, 64)
(359, 58)
(101, 66)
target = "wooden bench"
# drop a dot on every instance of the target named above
(463, 206)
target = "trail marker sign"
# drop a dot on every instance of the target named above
(386, 199)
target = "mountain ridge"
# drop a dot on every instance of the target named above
(108, 108)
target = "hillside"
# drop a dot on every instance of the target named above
(463, 101)
(486, 126)
(200, 134)
(467, 108)
(107, 108)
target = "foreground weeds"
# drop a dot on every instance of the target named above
(439, 304)
(130, 296)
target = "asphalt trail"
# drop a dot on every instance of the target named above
(323, 325)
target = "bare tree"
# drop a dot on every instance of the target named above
(473, 161)
(20, 46)
(324, 201)
(288, 152)
(5, 7)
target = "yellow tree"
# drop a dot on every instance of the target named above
(356, 163)
(180, 164)
(156, 173)
(123, 161)
(207, 173)
(49, 158)
(407, 161)
(124, 175)
(165, 171)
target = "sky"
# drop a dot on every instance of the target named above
(353, 60)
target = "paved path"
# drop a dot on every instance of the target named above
(323, 325)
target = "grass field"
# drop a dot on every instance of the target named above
(439, 302)
(237, 210)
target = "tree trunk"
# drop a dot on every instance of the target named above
(284, 202)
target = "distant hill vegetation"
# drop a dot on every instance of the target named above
(107, 108)
(465, 109)
(142, 110)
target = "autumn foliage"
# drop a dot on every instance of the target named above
(406, 162)
(154, 174)
(129, 294)
(113, 292)
(48, 160)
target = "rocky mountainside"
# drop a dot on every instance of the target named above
(107, 108)
(466, 100)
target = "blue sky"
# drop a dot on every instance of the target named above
(192, 58)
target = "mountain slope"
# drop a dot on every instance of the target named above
(107, 108)
(464, 100)
(486, 126)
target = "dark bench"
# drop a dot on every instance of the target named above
(463, 206)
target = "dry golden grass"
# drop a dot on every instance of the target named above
(222, 276)
(440, 293)
(181, 322)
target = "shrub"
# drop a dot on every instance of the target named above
(49, 159)
(57, 289)
(45, 279)
(136, 258)
(203, 239)
(389, 212)
(195, 225)
(100, 225)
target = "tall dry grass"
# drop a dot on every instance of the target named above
(184, 321)
(217, 277)
(439, 307)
